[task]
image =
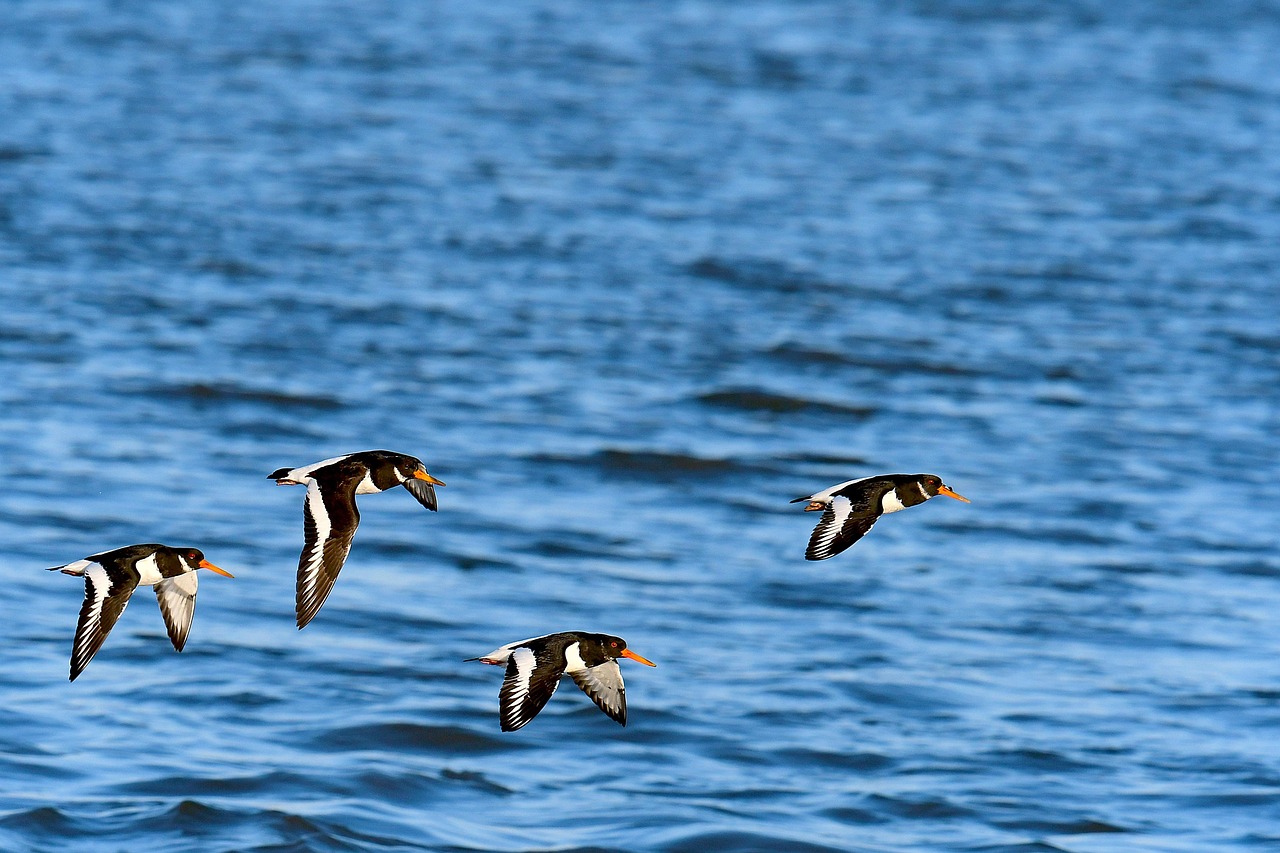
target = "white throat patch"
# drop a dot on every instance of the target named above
(890, 502)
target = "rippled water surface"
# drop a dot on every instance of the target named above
(629, 277)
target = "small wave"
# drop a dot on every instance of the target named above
(411, 736)
(757, 274)
(927, 808)
(756, 400)
(227, 392)
(849, 814)
(745, 842)
(45, 820)
(862, 762)
(1074, 827)
(648, 462)
(884, 366)
(274, 782)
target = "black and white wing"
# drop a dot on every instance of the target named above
(177, 597)
(603, 683)
(838, 528)
(330, 521)
(106, 593)
(531, 679)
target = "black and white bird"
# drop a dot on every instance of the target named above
(534, 667)
(110, 579)
(849, 509)
(331, 517)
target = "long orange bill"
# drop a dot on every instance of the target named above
(943, 490)
(423, 475)
(627, 653)
(205, 564)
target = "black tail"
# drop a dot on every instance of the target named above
(805, 498)
(276, 475)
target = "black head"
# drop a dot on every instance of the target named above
(193, 558)
(190, 557)
(412, 474)
(933, 486)
(608, 647)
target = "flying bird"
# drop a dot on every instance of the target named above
(110, 579)
(534, 667)
(331, 516)
(849, 509)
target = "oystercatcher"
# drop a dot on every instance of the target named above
(534, 667)
(851, 508)
(112, 576)
(331, 516)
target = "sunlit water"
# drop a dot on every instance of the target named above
(629, 277)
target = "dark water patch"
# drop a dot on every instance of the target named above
(414, 737)
(757, 274)
(44, 822)
(583, 548)
(409, 789)
(474, 779)
(860, 762)
(756, 400)
(856, 816)
(824, 459)
(887, 367)
(202, 393)
(795, 353)
(1073, 827)
(17, 154)
(472, 562)
(272, 784)
(923, 808)
(1251, 568)
(645, 463)
(1039, 760)
(744, 842)
(231, 268)
(250, 699)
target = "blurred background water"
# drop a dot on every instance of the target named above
(629, 277)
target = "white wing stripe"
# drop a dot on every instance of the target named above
(841, 508)
(525, 661)
(319, 516)
(100, 583)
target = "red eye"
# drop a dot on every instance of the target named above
(615, 645)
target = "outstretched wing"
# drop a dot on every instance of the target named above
(330, 519)
(531, 679)
(177, 597)
(838, 528)
(105, 596)
(603, 683)
(423, 491)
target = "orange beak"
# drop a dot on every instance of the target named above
(943, 490)
(205, 564)
(627, 653)
(815, 506)
(423, 475)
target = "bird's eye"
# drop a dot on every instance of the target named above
(615, 645)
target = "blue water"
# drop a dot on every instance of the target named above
(629, 277)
